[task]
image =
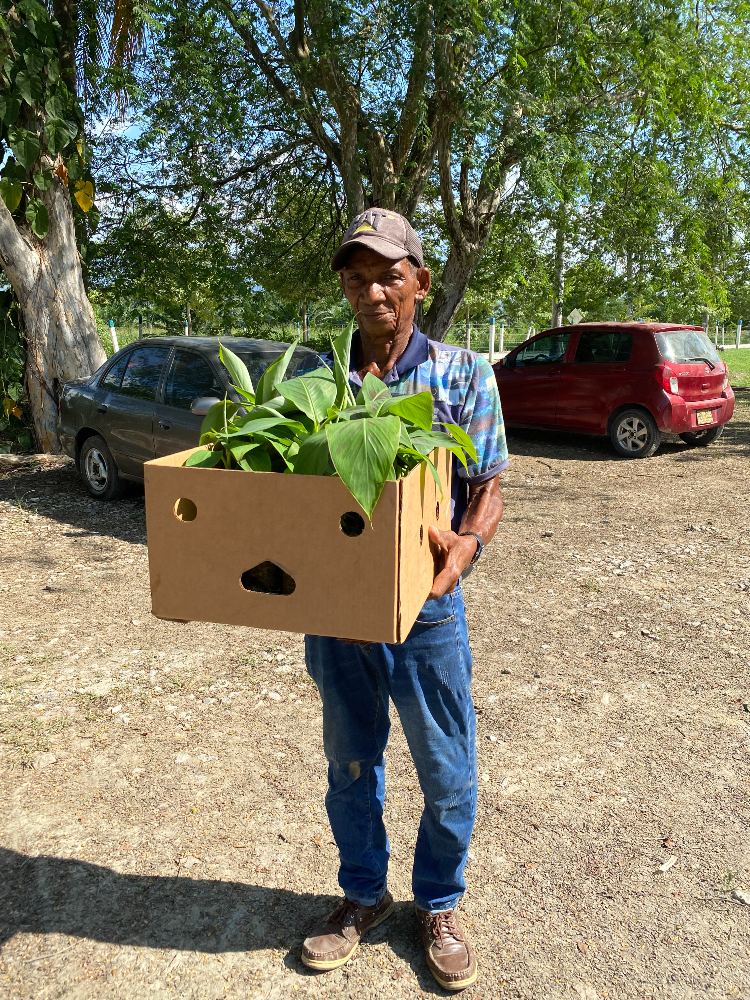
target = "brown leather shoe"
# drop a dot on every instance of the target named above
(338, 938)
(450, 955)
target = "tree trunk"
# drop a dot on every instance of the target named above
(457, 273)
(58, 321)
(558, 276)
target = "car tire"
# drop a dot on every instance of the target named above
(99, 470)
(703, 438)
(634, 434)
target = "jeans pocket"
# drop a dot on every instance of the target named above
(437, 611)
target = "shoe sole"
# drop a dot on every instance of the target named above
(325, 965)
(456, 984)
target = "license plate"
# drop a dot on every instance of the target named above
(704, 417)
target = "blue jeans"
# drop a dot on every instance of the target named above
(428, 678)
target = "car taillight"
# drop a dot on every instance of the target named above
(725, 383)
(669, 381)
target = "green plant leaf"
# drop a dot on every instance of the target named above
(273, 375)
(362, 452)
(416, 409)
(256, 461)
(460, 436)
(37, 217)
(240, 449)
(25, 146)
(238, 373)
(313, 394)
(341, 347)
(11, 193)
(29, 86)
(314, 456)
(219, 416)
(373, 394)
(204, 459)
(9, 109)
(260, 425)
(426, 442)
(42, 180)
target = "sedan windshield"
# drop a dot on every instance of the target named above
(687, 345)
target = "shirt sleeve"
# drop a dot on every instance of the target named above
(482, 419)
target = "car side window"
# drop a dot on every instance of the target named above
(113, 376)
(190, 376)
(141, 378)
(598, 347)
(543, 350)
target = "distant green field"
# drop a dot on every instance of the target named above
(738, 363)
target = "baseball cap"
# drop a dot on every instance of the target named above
(383, 231)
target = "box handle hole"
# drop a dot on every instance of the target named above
(437, 510)
(268, 578)
(352, 523)
(185, 510)
(421, 534)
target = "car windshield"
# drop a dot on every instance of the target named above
(257, 363)
(686, 345)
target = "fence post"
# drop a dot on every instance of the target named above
(492, 339)
(738, 335)
(113, 335)
(723, 341)
(502, 339)
(140, 326)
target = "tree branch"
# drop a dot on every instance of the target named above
(297, 102)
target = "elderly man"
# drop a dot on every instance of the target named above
(428, 677)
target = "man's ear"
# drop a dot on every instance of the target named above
(423, 277)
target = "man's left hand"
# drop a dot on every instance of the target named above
(454, 553)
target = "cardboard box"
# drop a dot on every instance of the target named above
(219, 540)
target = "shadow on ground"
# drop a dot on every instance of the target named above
(49, 895)
(58, 493)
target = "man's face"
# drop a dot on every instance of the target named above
(383, 293)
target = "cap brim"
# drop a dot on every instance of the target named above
(382, 247)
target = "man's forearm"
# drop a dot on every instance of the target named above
(484, 510)
(483, 514)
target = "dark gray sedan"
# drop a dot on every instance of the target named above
(149, 400)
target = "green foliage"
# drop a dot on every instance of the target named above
(15, 434)
(313, 425)
(41, 125)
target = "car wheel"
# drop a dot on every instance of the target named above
(634, 434)
(99, 470)
(703, 438)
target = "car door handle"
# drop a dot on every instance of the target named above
(164, 425)
(102, 408)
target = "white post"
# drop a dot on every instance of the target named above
(113, 335)
(528, 335)
(723, 333)
(738, 335)
(492, 339)
(502, 339)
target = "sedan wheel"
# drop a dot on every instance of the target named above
(99, 470)
(634, 434)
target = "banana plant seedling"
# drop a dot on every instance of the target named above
(314, 425)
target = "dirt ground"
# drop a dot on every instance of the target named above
(163, 828)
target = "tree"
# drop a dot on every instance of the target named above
(466, 93)
(47, 68)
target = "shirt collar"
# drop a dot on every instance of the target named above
(415, 353)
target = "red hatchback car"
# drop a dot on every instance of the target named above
(630, 381)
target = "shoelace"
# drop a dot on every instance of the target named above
(344, 914)
(443, 925)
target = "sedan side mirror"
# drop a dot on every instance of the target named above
(203, 404)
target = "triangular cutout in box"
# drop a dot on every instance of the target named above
(268, 578)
